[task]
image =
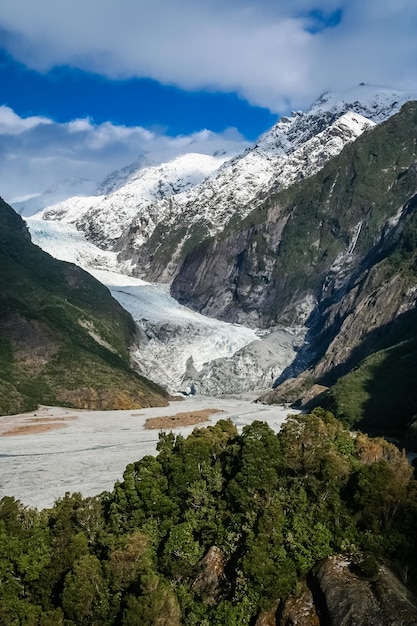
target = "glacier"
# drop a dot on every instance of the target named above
(183, 351)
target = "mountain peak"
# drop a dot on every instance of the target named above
(372, 101)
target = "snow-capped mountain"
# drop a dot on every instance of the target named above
(144, 213)
(118, 178)
(162, 211)
(106, 217)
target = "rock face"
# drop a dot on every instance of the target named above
(208, 581)
(337, 251)
(299, 610)
(336, 596)
(349, 599)
(312, 242)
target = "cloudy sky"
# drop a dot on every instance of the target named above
(88, 86)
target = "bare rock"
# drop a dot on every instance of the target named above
(350, 600)
(267, 618)
(299, 610)
(210, 576)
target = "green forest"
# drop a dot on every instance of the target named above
(215, 529)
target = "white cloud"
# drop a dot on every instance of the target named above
(270, 52)
(36, 152)
(263, 50)
(12, 124)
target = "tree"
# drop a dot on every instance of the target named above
(85, 598)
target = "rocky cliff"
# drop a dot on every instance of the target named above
(337, 251)
(305, 244)
(337, 595)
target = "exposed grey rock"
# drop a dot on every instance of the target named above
(353, 601)
(335, 252)
(210, 576)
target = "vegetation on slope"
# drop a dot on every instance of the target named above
(63, 338)
(216, 529)
(302, 244)
(379, 395)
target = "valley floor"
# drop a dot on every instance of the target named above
(53, 450)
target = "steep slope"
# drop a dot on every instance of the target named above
(341, 244)
(231, 193)
(63, 337)
(154, 231)
(303, 242)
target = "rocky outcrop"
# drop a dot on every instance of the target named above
(207, 584)
(349, 599)
(299, 610)
(335, 595)
(267, 618)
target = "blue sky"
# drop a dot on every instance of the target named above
(66, 93)
(91, 85)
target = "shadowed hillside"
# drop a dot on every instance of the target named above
(63, 338)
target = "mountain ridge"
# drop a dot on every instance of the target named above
(319, 259)
(233, 189)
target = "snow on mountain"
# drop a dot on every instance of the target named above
(68, 188)
(375, 102)
(111, 214)
(197, 189)
(118, 178)
(180, 348)
(236, 188)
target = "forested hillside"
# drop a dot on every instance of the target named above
(222, 529)
(63, 338)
